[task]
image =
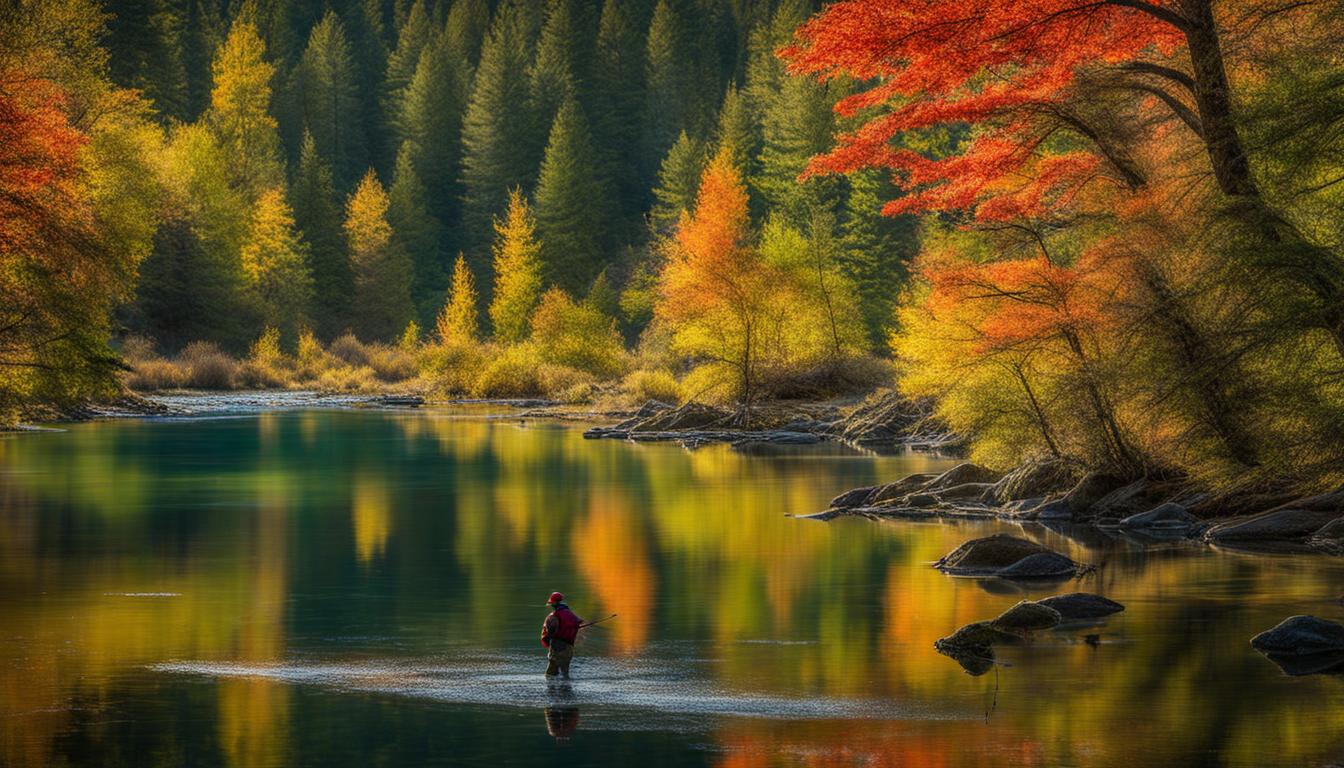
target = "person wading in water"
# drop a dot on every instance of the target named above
(558, 634)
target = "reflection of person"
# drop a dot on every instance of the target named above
(558, 634)
(561, 722)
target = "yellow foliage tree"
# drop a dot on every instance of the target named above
(240, 110)
(383, 272)
(458, 320)
(578, 335)
(275, 262)
(517, 260)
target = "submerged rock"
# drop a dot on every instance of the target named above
(1301, 636)
(1166, 517)
(976, 661)
(1078, 606)
(1044, 565)
(1274, 526)
(1027, 616)
(988, 555)
(977, 635)
(1129, 500)
(1330, 537)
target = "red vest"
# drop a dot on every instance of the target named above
(562, 624)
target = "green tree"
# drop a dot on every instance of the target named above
(317, 212)
(459, 322)
(560, 70)
(430, 122)
(275, 262)
(498, 131)
(412, 37)
(383, 271)
(678, 180)
(239, 111)
(145, 52)
(467, 22)
(878, 251)
(572, 212)
(326, 90)
(618, 99)
(518, 268)
(416, 233)
(669, 82)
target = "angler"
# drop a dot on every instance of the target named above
(558, 633)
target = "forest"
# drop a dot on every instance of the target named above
(1108, 231)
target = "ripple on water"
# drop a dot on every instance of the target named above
(513, 681)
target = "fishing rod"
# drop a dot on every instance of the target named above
(599, 621)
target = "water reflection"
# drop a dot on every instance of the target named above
(362, 587)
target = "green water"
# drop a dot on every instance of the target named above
(365, 588)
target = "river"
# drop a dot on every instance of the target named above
(365, 587)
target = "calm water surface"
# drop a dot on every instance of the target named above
(365, 588)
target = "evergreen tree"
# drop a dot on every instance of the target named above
(430, 122)
(517, 266)
(498, 131)
(317, 212)
(383, 272)
(144, 52)
(201, 34)
(678, 180)
(618, 96)
(561, 69)
(275, 262)
(418, 234)
(467, 22)
(669, 82)
(878, 251)
(572, 212)
(326, 89)
(413, 36)
(239, 112)
(459, 322)
(738, 132)
(797, 124)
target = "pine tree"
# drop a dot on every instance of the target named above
(572, 211)
(317, 212)
(413, 36)
(275, 262)
(326, 89)
(383, 272)
(517, 266)
(239, 112)
(499, 133)
(145, 52)
(430, 121)
(669, 82)
(618, 96)
(878, 251)
(459, 322)
(738, 132)
(562, 66)
(678, 180)
(797, 124)
(368, 37)
(418, 234)
(467, 23)
(202, 31)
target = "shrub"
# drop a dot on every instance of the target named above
(151, 375)
(643, 385)
(577, 335)
(349, 350)
(138, 348)
(511, 372)
(391, 364)
(207, 367)
(452, 368)
(554, 379)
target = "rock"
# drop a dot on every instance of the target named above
(1053, 510)
(920, 500)
(1276, 526)
(1091, 489)
(988, 555)
(965, 491)
(1328, 663)
(1027, 616)
(855, 497)
(1330, 537)
(1035, 479)
(1301, 636)
(903, 487)
(1129, 500)
(1077, 606)
(962, 473)
(980, 634)
(1167, 517)
(688, 417)
(885, 417)
(1044, 565)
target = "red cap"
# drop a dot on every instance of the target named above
(556, 597)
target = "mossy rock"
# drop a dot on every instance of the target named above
(1027, 616)
(1042, 565)
(979, 634)
(988, 555)
(1077, 606)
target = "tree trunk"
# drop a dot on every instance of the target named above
(1231, 169)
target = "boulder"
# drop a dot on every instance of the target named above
(688, 417)
(980, 634)
(1078, 606)
(907, 485)
(1330, 537)
(1035, 479)
(1129, 500)
(965, 491)
(1166, 517)
(988, 555)
(1092, 488)
(1043, 565)
(1027, 616)
(976, 661)
(962, 473)
(920, 500)
(1276, 526)
(855, 497)
(1301, 636)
